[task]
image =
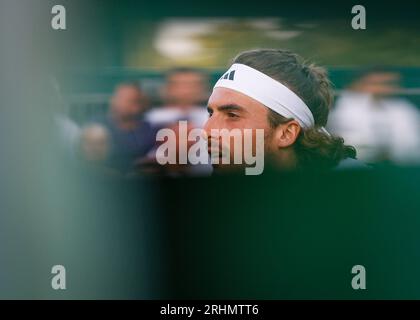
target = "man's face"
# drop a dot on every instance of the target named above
(185, 89)
(127, 102)
(229, 109)
(379, 84)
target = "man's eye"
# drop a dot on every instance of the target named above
(232, 115)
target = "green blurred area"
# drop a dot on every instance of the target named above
(217, 40)
(294, 236)
(128, 45)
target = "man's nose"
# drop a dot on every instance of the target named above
(209, 126)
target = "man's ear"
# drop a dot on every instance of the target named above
(286, 134)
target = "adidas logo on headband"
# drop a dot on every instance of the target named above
(229, 75)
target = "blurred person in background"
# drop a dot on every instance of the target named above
(131, 137)
(184, 96)
(68, 132)
(94, 144)
(95, 148)
(382, 127)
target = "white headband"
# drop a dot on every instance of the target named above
(268, 91)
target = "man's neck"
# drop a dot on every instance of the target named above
(284, 159)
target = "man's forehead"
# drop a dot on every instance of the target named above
(224, 96)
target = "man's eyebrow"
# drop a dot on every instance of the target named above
(230, 107)
(226, 108)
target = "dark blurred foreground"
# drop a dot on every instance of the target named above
(288, 236)
(273, 236)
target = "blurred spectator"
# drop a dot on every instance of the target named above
(94, 150)
(184, 96)
(382, 127)
(131, 137)
(94, 144)
(68, 134)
